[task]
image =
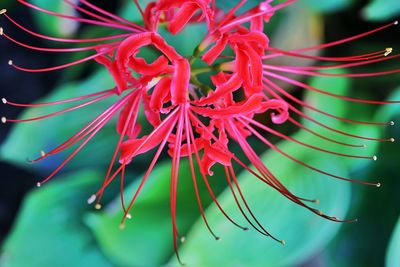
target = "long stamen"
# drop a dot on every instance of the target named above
(382, 53)
(302, 114)
(91, 14)
(261, 138)
(324, 74)
(197, 156)
(94, 124)
(107, 92)
(305, 105)
(88, 21)
(308, 87)
(44, 49)
(133, 112)
(60, 112)
(192, 170)
(65, 40)
(267, 129)
(67, 65)
(113, 16)
(338, 42)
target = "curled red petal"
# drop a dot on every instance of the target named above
(153, 69)
(230, 86)
(112, 67)
(180, 19)
(212, 54)
(161, 94)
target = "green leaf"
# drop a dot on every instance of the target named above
(26, 140)
(49, 229)
(146, 239)
(53, 25)
(378, 10)
(392, 254)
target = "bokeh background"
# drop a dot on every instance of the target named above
(53, 225)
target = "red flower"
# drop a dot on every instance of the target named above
(199, 121)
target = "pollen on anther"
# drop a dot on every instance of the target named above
(396, 22)
(97, 206)
(3, 11)
(183, 239)
(392, 140)
(388, 51)
(283, 242)
(128, 216)
(10, 62)
(1, 31)
(378, 185)
(38, 184)
(42, 153)
(375, 158)
(3, 119)
(4, 100)
(91, 199)
(391, 123)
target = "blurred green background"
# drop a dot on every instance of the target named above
(53, 225)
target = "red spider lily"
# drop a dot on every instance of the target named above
(198, 121)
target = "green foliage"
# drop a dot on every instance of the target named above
(53, 25)
(392, 256)
(379, 10)
(327, 6)
(49, 229)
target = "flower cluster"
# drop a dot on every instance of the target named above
(193, 119)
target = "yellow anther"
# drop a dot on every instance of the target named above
(388, 51)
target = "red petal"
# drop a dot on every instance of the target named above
(182, 17)
(212, 54)
(161, 94)
(180, 81)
